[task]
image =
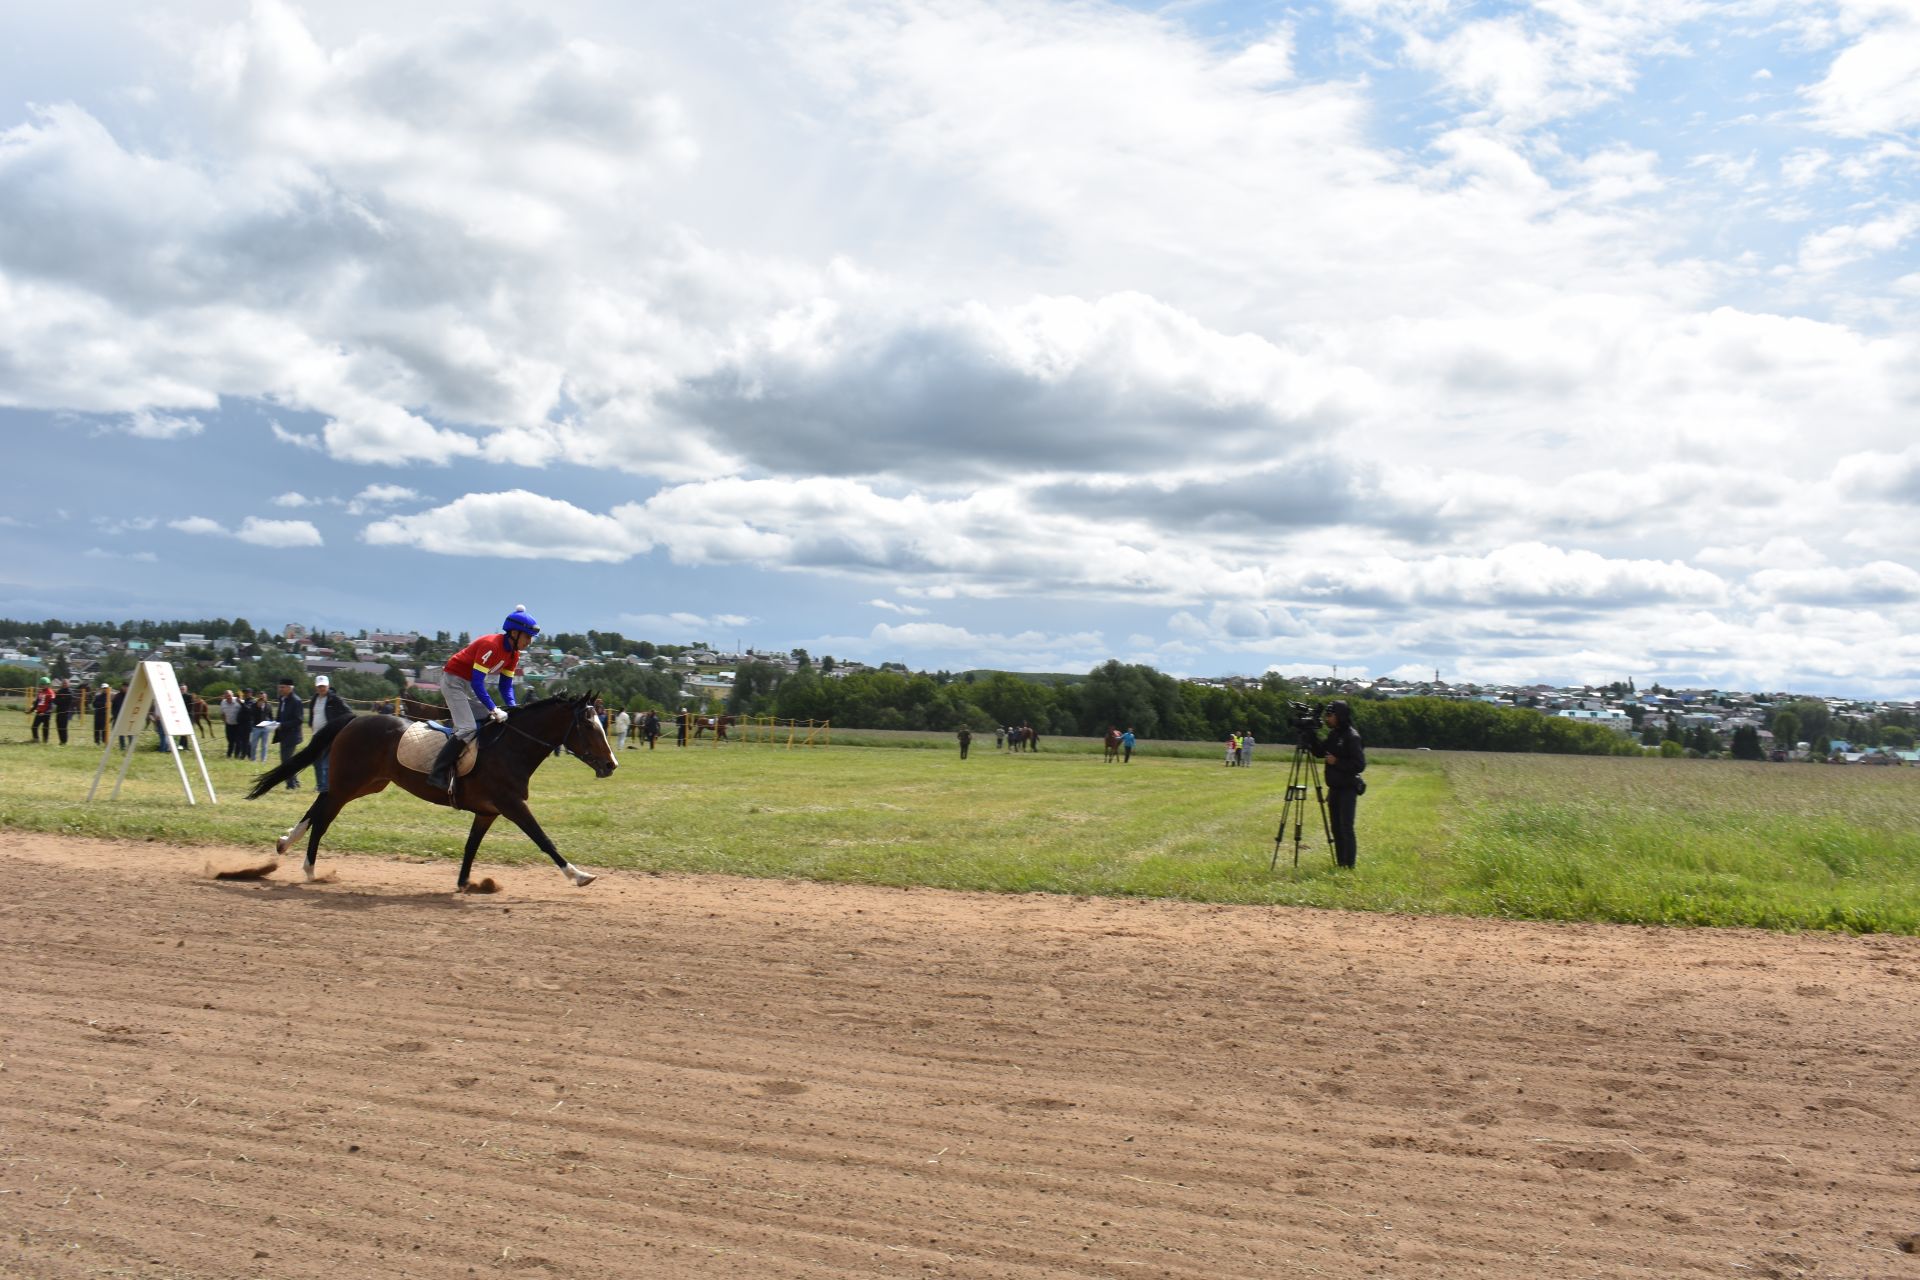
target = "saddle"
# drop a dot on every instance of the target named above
(420, 746)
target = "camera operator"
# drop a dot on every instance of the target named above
(1346, 761)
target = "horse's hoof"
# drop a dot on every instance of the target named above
(280, 845)
(581, 879)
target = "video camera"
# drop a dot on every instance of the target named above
(1305, 718)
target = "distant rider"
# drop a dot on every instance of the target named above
(464, 682)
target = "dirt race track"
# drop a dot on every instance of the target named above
(702, 1076)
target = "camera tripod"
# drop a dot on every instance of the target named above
(1304, 772)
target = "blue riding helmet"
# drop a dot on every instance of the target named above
(521, 620)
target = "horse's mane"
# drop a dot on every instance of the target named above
(549, 700)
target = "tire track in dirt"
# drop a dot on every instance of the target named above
(679, 1076)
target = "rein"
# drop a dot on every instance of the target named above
(544, 744)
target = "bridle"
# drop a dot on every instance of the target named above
(579, 717)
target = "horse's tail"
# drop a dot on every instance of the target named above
(301, 759)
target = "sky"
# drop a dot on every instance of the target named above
(1567, 341)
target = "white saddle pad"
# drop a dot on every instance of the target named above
(420, 747)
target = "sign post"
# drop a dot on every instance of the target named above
(155, 689)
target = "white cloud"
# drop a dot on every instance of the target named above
(682, 626)
(516, 525)
(1540, 62)
(1873, 85)
(278, 533)
(1840, 246)
(1054, 383)
(197, 524)
(1876, 475)
(376, 496)
(118, 524)
(146, 424)
(1776, 553)
(299, 440)
(1251, 332)
(253, 529)
(1024, 650)
(1879, 583)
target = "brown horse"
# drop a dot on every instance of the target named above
(363, 757)
(197, 712)
(415, 709)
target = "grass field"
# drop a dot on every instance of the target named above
(1544, 837)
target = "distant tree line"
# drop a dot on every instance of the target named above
(238, 629)
(1112, 695)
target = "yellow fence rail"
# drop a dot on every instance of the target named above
(782, 733)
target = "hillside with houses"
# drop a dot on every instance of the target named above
(372, 666)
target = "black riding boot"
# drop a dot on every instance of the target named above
(441, 779)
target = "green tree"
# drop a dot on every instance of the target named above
(1786, 729)
(1746, 743)
(1814, 716)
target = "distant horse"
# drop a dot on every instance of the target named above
(197, 713)
(363, 757)
(1113, 745)
(718, 724)
(414, 709)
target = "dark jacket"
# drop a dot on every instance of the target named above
(249, 716)
(292, 722)
(337, 708)
(63, 702)
(1349, 758)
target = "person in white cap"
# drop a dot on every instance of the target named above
(101, 701)
(326, 707)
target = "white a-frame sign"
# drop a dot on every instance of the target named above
(153, 689)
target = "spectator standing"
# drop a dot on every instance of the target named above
(1346, 760)
(327, 707)
(1233, 749)
(230, 716)
(1126, 746)
(264, 726)
(243, 725)
(680, 722)
(288, 717)
(651, 728)
(623, 726)
(101, 701)
(999, 736)
(1246, 748)
(113, 714)
(42, 711)
(966, 741)
(64, 705)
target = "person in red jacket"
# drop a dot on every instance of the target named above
(464, 682)
(42, 711)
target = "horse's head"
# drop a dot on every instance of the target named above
(587, 738)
